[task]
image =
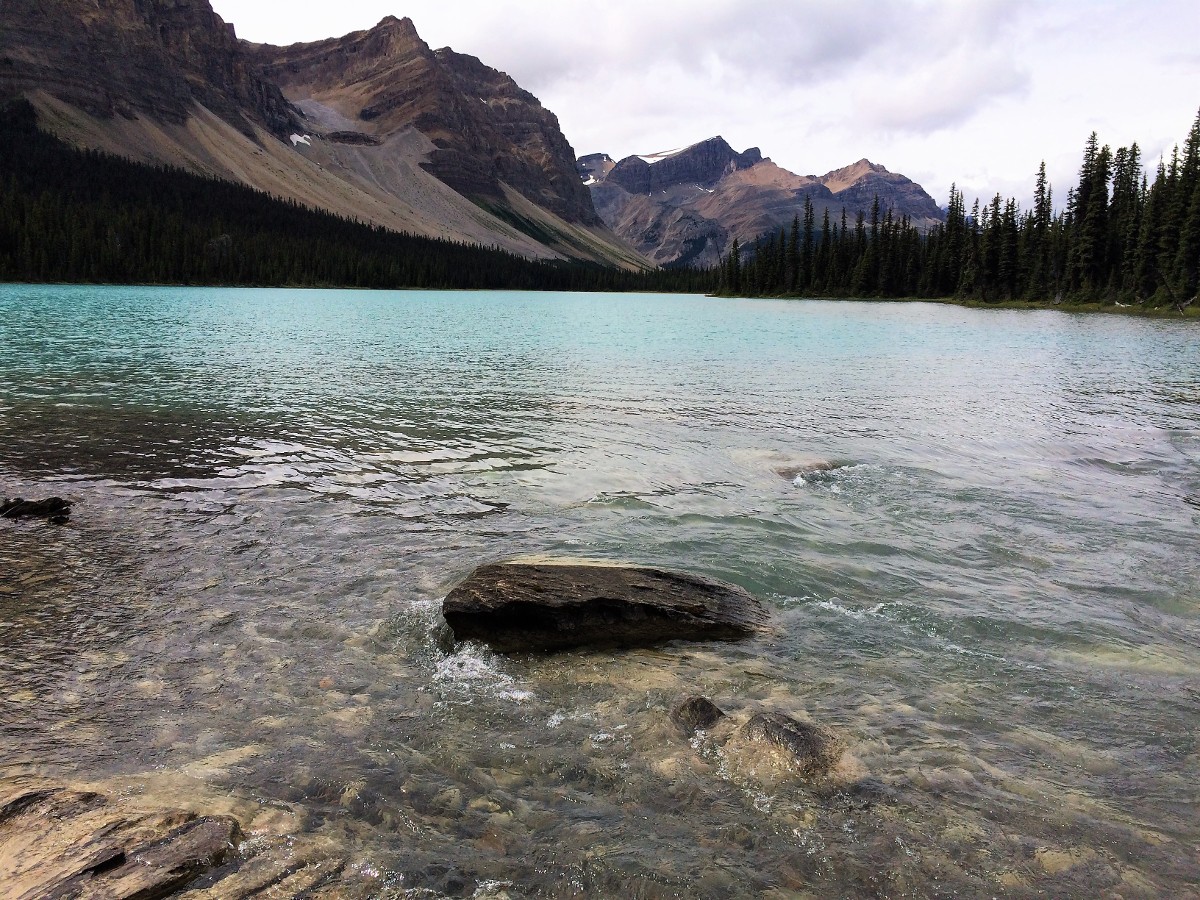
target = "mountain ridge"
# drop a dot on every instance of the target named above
(688, 206)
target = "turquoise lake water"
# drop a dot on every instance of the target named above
(994, 598)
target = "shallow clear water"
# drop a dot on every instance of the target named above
(995, 601)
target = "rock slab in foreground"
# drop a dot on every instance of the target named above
(65, 843)
(518, 607)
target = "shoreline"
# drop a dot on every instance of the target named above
(1150, 312)
(1156, 312)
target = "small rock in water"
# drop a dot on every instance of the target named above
(519, 607)
(696, 714)
(791, 473)
(801, 471)
(772, 746)
(55, 509)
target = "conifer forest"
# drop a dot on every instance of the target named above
(76, 216)
(1120, 238)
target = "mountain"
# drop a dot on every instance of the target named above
(685, 207)
(373, 126)
(488, 133)
(131, 58)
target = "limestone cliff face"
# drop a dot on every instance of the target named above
(156, 58)
(686, 207)
(485, 129)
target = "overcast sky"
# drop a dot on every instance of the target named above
(969, 91)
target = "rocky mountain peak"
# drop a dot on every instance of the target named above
(857, 186)
(840, 179)
(391, 36)
(488, 134)
(703, 163)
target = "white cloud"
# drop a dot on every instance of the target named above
(973, 91)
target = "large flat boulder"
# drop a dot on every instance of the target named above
(519, 607)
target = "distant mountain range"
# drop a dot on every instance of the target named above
(376, 126)
(685, 207)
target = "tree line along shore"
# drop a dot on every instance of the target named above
(1121, 242)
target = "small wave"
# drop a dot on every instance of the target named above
(834, 478)
(904, 617)
(858, 615)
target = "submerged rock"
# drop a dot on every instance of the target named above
(65, 843)
(56, 509)
(772, 746)
(696, 714)
(803, 470)
(516, 607)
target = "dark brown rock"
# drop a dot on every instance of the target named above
(772, 744)
(353, 137)
(696, 714)
(516, 607)
(805, 469)
(57, 842)
(56, 509)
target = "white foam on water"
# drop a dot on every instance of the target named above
(474, 670)
(488, 889)
(561, 716)
(466, 666)
(516, 696)
(858, 615)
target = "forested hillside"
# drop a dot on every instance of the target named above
(1120, 238)
(68, 215)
